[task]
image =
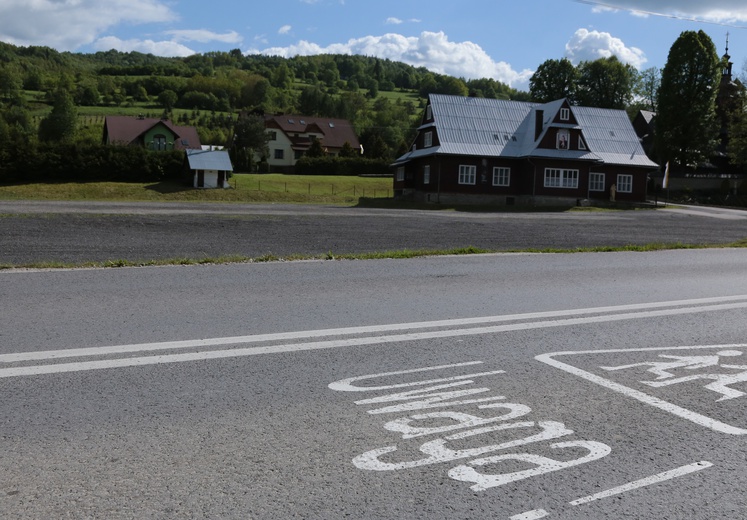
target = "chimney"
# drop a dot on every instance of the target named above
(539, 115)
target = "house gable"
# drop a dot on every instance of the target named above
(141, 131)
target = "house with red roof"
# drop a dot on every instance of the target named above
(291, 136)
(151, 133)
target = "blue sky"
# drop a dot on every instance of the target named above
(504, 40)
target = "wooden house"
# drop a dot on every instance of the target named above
(491, 151)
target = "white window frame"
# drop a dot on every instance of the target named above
(563, 133)
(501, 176)
(565, 114)
(427, 139)
(624, 183)
(596, 181)
(561, 178)
(427, 174)
(428, 113)
(400, 173)
(467, 174)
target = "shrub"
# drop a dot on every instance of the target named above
(330, 165)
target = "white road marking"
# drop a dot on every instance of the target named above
(640, 396)
(531, 515)
(654, 479)
(701, 305)
(372, 329)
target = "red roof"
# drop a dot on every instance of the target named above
(336, 131)
(125, 130)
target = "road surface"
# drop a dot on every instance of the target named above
(513, 386)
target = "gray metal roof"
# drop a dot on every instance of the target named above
(503, 128)
(209, 160)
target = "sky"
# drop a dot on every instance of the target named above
(499, 39)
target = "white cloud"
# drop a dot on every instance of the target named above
(285, 29)
(431, 50)
(722, 11)
(163, 48)
(393, 21)
(67, 25)
(588, 45)
(204, 36)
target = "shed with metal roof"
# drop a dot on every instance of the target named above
(209, 168)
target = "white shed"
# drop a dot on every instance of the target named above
(209, 168)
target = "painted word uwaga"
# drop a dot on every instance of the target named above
(480, 449)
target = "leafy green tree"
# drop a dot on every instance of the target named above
(646, 88)
(605, 83)
(11, 82)
(60, 124)
(167, 99)
(249, 139)
(686, 128)
(554, 79)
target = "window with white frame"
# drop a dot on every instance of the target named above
(625, 183)
(427, 174)
(501, 176)
(565, 114)
(428, 113)
(596, 181)
(557, 178)
(467, 174)
(401, 173)
(563, 138)
(427, 139)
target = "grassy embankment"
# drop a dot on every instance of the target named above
(269, 188)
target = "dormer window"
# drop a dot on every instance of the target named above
(428, 113)
(427, 139)
(563, 139)
(565, 114)
(581, 143)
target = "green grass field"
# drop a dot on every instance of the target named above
(267, 188)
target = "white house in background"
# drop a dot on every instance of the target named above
(209, 169)
(290, 136)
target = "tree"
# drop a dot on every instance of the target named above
(60, 124)
(167, 99)
(646, 88)
(553, 79)
(686, 128)
(250, 139)
(605, 83)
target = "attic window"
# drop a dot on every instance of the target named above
(612, 134)
(496, 137)
(581, 143)
(185, 142)
(428, 113)
(302, 122)
(331, 124)
(565, 114)
(291, 121)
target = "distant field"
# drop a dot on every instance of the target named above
(266, 188)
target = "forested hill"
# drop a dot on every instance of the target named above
(382, 98)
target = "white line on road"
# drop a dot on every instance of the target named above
(654, 479)
(372, 329)
(535, 514)
(335, 343)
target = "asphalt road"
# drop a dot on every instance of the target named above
(512, 386)
(75, 232)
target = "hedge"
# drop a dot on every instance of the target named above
(79, 163)
(330, 165)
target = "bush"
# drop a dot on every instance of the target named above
(330, 165)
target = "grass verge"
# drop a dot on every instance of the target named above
(398, 254)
